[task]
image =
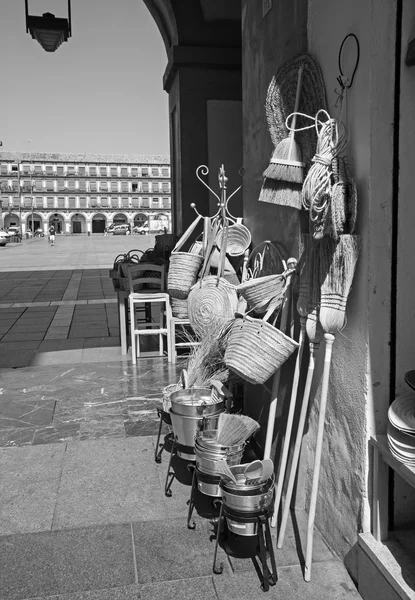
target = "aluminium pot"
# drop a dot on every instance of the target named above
(196, 402)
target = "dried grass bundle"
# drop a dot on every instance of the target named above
(206, 361)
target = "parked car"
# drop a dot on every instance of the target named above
(141, 229)
(118, 229)
(4, 238)
(14, 230)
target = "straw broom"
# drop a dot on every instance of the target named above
(286, 162)
(337, 266)
(285, 174)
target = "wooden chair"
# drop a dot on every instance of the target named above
(140, 276)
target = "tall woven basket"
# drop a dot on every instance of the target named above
(179, 308)
(184, 267)
(256, 349)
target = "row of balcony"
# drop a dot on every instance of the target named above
(54, 174)
(26, 189)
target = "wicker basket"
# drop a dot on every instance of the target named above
(261, 291)
(179, 308)
(238, 239)
(212, 302)
(256, 349)
(184, 267)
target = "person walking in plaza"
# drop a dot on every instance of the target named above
(51, 235)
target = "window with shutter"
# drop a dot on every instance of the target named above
(71, 170)
(155, 171)
(165, 171)
(135, 202)
(49, 170)
(146, 202)
(82, 201)
(92, 186)
(93, 171)
(81, 171)
(61, 201)
(103, 171)
(166, 187)
(114, 171)
(124, 202)
(38, 185)
(50, 201)
(145, 186)
(38, 169)
(61, 185)
(50, 185)
(134, 171)
(124, 171)
(144, 171)
(3, 170)
(82, 185)
(166, 202)
(72, 202)
(103, 186)
(59, 170)
(104, 201)
(124, 186)
(114, 186)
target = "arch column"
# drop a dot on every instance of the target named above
(195, 78)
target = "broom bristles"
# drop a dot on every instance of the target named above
(281, 193)
(337, 267)
(280, 170)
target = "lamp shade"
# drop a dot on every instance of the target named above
(48, 30)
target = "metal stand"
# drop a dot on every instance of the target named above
(264, 544)
(191, 502)
(175, 451)
(164, 418)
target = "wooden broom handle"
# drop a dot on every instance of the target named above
(296, 105)
(317, 459)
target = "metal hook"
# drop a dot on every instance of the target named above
(345, 82)
(205, 172)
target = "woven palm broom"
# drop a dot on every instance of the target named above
(286, 162)
(279, 104)
(337, 267)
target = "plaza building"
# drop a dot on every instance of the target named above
(84, 193)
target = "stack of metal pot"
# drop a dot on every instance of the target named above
(210, 457)
(244, 501)
(192, 409)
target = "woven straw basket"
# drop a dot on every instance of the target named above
(179, 308)
(238, 239)
(183, 271)
(261, 291)
(256, 349)
(212, 302)
(184, 267)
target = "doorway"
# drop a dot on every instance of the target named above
(76, 227)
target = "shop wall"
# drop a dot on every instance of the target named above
(359, 382)
(404, 495)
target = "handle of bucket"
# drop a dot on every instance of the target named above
(187, 234)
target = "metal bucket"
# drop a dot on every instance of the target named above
(197, 402)
(185, 427)
(250, 500)
(208, 484)
(208, 454)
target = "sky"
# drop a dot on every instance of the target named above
(100, 92)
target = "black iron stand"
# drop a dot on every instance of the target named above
(191, 502)
(164, 418)
(176, 449)
(264, 544)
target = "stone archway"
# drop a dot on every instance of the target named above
(120, 219)
(78, 223)
(57, 221)
(140, 219)
(10, 219)
(99, 222)
(35, 223)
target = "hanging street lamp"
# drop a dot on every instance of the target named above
(48, 30)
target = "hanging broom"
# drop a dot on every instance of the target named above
(286, 162)
(337, 266)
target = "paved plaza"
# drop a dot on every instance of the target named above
(83, 514)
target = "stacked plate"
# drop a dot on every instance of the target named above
(401, 428)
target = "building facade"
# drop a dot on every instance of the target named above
(84, 193)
